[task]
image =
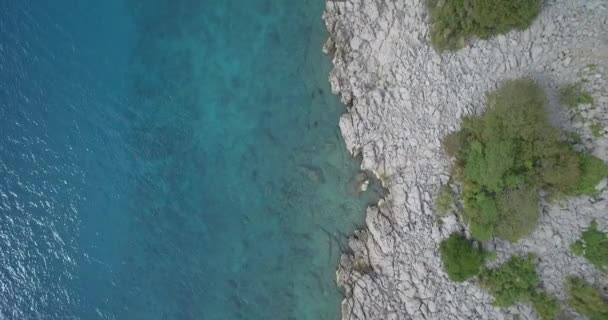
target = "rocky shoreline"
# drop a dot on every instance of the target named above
(403, 97)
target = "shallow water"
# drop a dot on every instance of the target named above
(170, 159)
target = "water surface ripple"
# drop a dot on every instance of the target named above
(170, 159)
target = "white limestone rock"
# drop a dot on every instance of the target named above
(403, 98)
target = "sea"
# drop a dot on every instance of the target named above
(171, 159)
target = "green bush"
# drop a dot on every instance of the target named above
(573, 137)
(444, 201)
(586, 300)
(455, 21)
(508, 154)
(596, 129)
(573, 95)
(516, 281)
(593, 245)
(513, 282)
(461, 259)
(592, 171)
(545, 306)
(501, 16)
(518, 210)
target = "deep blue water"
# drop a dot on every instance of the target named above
(170, 159)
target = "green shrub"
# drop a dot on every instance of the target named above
(593, 245)
(516, 281)
(508, 154)
(513, 282)
(444, 201)
(596, 129)
(592, 171)
(461, 259)
(501, 16)
(573, 137)
(455, 21)
(586, 300)
(573, 95)
(545, 306)
(517, 210)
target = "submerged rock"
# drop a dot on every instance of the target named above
(312, 173)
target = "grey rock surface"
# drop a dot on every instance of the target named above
(403, 97)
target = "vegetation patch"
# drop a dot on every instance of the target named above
(509, 153)
(461, 258)
(444, 201)
(573, 95)
(516, 281)
(593, 245)
(592, 171)
(453, 22)
(573, 137)
(596, 129)
(513, 282)
(586, 299)
(545, 305)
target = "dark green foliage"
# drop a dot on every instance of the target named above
(573, 95)
(593, 245)
(586, 300)
(461, 259)
(510, 153)
(516, 281)
(455, 21)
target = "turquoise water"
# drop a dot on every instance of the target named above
(170, 159)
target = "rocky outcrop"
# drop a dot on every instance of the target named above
(403, 97)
